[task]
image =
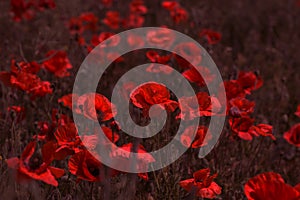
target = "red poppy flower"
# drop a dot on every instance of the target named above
(20, 9)
(91, 141)
(293, 135)
(114, 57)
(75, 26)
(46, 4)
(135, 41)
(202, 184)
(112, 19)
(159, 69)
(188, 109)
(240, 107)
(18, 110)
(138, 7)
(233, 90)
(28, 67)
(107, 3)
(177, 13)
(152, 93)
(104, 108)
(89, 21)
(30, 83)
(133, 20)
(33, 165)
(58, 63)
(47, 129)
(67, 135)
(17, 68)
(153, 56)
(269, 186)
(85, 166)
(191, 52)
(51, 150)
(162, 38)
(84, 22)
(241, 126)
(262, 130)
(195, 74)
(96, 40)
(297, 113)
(23, 77)
(170, 5)
(205, 104)
(67, 100)
(212, 37)
(249, 81)
(201, 138)
(121, 155)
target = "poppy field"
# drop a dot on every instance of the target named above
(61, 142)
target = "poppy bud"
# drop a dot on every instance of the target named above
(235, 112)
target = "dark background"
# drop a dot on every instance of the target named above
(260, 36)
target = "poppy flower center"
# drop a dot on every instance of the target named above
(35, 161)
(95, 171)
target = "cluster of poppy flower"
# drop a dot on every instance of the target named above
(293, 135)
(60, 140)
(22, 9)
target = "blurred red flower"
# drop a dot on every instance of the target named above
(233, 89)
(46, 4)
(162, 38)
(135, 41)
(202, 184)
(177, 13)
(269, 186)
(297, 113)
(112, 19)
(293, 135)
(153, 56)
(89, 21)
(107, 3)
(212, 37)
(96, 40)
(58, 63)
(188, 52)
(138, 7)
(195, 74)
(21, 9)
(67, 100)
(121, 155)
(249, 81)
(19, 112)
(201, 138)
(205, 104)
